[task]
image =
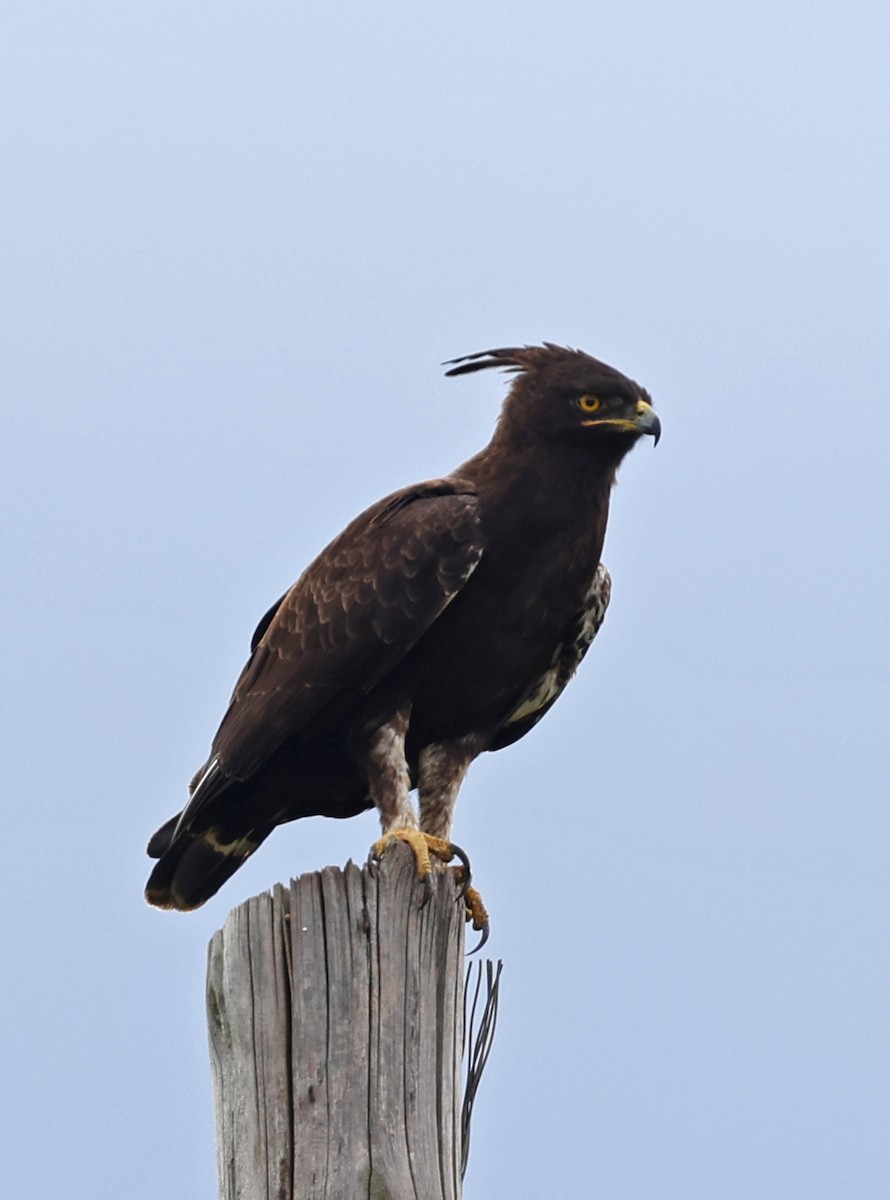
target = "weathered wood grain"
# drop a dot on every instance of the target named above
(335, 1016)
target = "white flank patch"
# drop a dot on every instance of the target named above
(548, 689)
(552, 682)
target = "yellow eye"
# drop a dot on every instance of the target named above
(589, 404)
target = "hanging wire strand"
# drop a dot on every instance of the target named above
(477, 1039)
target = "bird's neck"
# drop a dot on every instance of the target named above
(542, 486)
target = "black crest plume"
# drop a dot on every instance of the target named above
(515, 358)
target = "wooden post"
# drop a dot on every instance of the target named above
(336, 1027)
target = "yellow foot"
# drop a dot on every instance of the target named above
(425, 847)
(422, 845)
(474, 909)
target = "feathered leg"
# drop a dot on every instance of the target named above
(443, 767)
(442, 770)
(389, 785)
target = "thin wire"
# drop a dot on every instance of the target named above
(478, 1040)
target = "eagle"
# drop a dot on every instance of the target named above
(444, 621)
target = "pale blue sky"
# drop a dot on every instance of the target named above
(238, 239)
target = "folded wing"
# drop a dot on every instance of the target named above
(349, 619)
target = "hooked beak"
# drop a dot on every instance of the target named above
(646, 420)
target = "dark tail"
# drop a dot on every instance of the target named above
(194, 867)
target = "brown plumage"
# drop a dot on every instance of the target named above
(443, 621)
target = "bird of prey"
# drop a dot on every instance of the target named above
(444, 621)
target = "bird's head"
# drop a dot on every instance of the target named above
(564, 395)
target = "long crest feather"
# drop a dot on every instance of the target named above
(509, 358)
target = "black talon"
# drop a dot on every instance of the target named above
(486, 930)
(461, 855)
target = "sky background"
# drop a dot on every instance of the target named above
(237, 242)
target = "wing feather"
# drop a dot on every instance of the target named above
(351, 617)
